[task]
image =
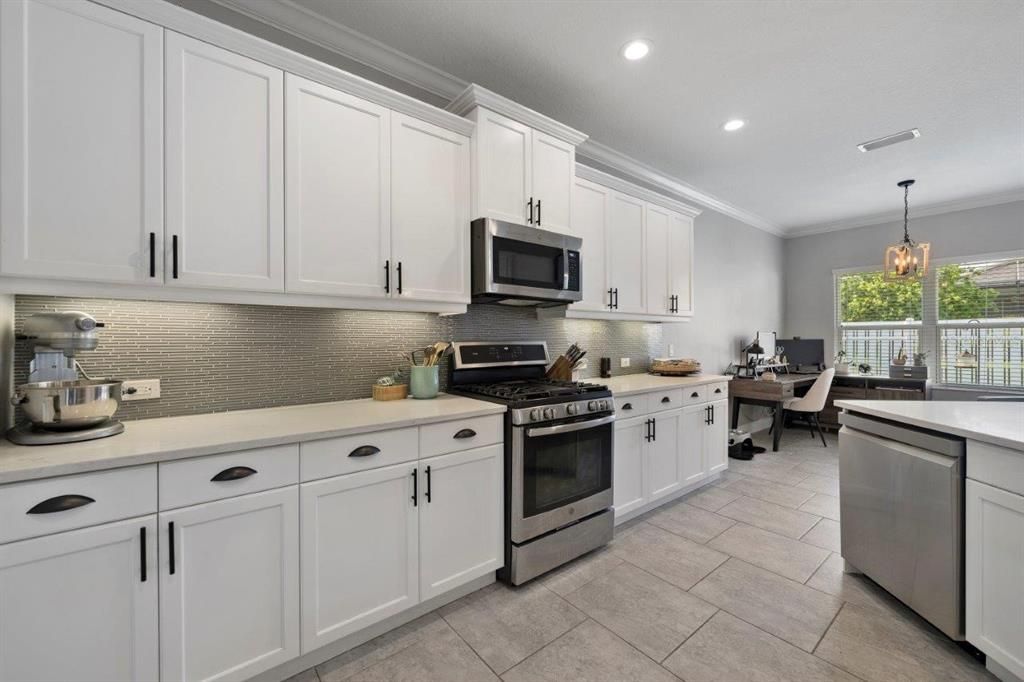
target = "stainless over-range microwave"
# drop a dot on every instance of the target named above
(524, 265)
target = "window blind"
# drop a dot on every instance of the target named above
(876, 317)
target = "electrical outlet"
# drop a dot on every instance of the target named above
(623, 362)
(140, 389)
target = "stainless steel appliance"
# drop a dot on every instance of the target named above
(523, 265)
(60, 406)
(558, 454)
(901, 501)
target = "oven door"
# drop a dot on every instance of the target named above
(560, 473)
(526, 262)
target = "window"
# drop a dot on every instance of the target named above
(967, 316)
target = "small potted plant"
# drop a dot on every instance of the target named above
(840, 362)
(920, 358)
(901, 357)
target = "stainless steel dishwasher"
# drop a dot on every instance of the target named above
(901, 505)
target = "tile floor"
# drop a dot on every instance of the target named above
(740, 580)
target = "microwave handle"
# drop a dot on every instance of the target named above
(564, 267)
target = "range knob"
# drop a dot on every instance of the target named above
(534, 414)
(549, 413)
(592, 406)
(572, 408)
(604, 404)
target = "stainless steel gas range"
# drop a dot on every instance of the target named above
(558, 454)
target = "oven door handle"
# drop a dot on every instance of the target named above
(569, 428)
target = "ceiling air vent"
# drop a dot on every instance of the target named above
(895, 138)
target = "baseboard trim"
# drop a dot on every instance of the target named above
(662, 501)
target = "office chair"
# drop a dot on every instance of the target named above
(812, 403)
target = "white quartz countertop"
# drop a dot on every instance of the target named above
(630, 384)
(157, 440)
(992, 422)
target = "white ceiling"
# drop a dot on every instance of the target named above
(813, 79)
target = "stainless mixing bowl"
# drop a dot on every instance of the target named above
(66, 405)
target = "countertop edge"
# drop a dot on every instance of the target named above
(664, 382)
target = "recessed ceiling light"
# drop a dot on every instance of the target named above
(636, 49)
(733, 125)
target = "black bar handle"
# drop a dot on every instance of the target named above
(170, 545)
(654, 429)
(415, 487)
(428, 482)
(628, 406)
(611, 298)
(387, 276)
(174, 256)
(666, 399)
(711, 411)
(152, 254)
(61, 503)
(529, 219)
(464, 433)
(399, 277)
(707, 414)
(538, 212)
(142, 553)
(234, 473)
(364, 451)
(647, 436)
(616, 298)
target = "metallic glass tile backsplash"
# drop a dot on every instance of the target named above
(213, 357)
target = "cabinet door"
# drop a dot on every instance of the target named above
(503, 164)
(225, 173)
(658, 250)
(680, 262)
(628, 465)
(716, 438)
(430, 190)
(77, 605)
(554, 172)
(994, 543)
(626, 251)
(661, 456)
(462, 528)
(229, 588)
(691, 443)
(359, 552)
(338, 194)
(589, 214)
(81, 176)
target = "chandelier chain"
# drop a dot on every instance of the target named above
(906, 213)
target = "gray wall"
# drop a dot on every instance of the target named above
(809, 261)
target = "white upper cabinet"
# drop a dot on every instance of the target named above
(225, 168)
(430, 189)
(680, 263)
(589, 215)
(523, 162)
(659, 255)
(338, 194)
(81, 176)
(626, 253)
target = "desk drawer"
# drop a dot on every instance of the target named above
(69, 502)
(334, 456)
(694, 395)
(631, 406)
(204, 479)
(460, 434)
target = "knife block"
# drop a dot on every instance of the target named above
(560, 369)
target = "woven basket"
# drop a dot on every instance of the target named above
(675, 366)
(393, 392)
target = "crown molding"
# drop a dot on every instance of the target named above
(626, 187)
(476, 96)
(298, 21)
(916, 212)
(608, 157)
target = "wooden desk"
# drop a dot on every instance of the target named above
(767, 394)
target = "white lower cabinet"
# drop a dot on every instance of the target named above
(716, 438)
(81, 605)
(360, 561)
(461, 506)
(691, 443)
(663, 472)
(229, 586)
(628, 465)
(994, 534)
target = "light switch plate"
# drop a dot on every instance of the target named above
(623, 362)
(140, 389)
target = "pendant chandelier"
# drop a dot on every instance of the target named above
(908, 259)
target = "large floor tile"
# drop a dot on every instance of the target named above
(642, 609)
(821, 484)
(822, 505)
(376, 650)
(825, 534)
(440, 657)
(699, 525)
(830, 469)
(768, 516)
(789, 558)
(782, 607)
(588, 652)
(726, 648)
(854, 588)
(505, 624)
(777, 493)
(672, 558)
(711, 498)
(771, 467)
(880, 645)
(581, 571)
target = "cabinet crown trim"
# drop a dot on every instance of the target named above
(476, 96)
(626, 187)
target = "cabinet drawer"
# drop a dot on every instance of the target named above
(461, 434)
(693, 395)
(717, 391)
(665, 400)
(334, 456)
(631, 406)
(204, 479)
(69, 502)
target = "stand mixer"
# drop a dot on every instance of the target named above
(62, 406)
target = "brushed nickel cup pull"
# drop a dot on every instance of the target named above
(695, 394)
(666, 399)
(364, 451)
(628, 406)
(234, 473)
(465, 433)
(60, 503)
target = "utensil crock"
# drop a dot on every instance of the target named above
(424, 382)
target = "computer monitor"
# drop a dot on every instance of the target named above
(804, 353)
